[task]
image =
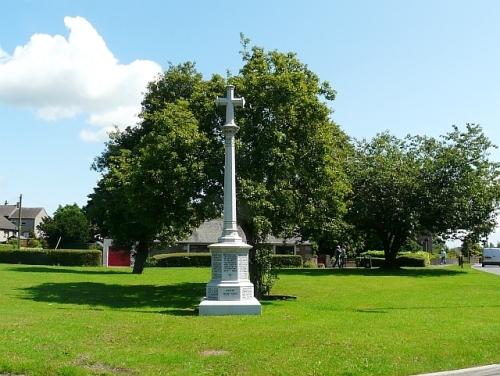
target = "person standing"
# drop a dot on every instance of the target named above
(442, 260)
(342, 257)
(337, 257)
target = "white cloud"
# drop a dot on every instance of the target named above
(61, 78)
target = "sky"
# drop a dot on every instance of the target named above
(71, 70)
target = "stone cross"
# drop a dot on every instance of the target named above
(230, 291)
(230, 102)
(230, 229)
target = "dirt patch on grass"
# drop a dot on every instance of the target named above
(214, 353)
(101, 368)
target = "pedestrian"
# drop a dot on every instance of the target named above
(442, 259)
(342, 257)
(337, 257)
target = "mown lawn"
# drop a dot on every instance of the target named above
(78, 321)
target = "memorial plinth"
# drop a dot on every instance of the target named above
(230, 291)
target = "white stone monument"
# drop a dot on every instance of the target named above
(230, 291)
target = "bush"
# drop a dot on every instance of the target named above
(311, 263)
(71, 257)
(5, 247)
(52, 257)
(287, 261)
(181, 259)
(376, 262)
(265, 274)
(413, 259)
(379, 254)
(204, 259)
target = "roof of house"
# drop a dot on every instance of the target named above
(29, 213)
(7, 210)
(210, 231)
(5, 224)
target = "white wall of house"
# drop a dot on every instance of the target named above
(5, 235)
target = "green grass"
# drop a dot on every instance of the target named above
(78, 321)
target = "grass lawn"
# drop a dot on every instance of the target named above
(78, 321)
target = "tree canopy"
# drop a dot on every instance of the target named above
(405, 187)
(165, 176)
(69, 224)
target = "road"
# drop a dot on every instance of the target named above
(494, 269)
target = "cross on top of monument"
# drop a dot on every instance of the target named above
(230, 102)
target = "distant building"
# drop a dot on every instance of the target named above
(210, 231)
(7, 229)
(30, 219)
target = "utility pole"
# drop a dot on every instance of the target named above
(19, 225)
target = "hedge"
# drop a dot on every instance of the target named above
(182, 259)
(375, 261)
(415, 259)
(205, 259)
(287, 261)
(63, 257)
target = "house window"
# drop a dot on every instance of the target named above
(284, 249)
(6, 233)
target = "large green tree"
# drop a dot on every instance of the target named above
(69, 227)
(153, 179)
(290, 155)
(401, 188)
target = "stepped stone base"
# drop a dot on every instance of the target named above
(225, 307)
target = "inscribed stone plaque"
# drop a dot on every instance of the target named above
(242, 266)
(212, 293)
(229, 266)
(229, 293)
(216, 265)
(246, 293)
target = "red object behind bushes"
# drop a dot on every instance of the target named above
(118, 257)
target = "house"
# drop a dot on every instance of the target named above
(210, 231)
(30, 218)
(7, 229)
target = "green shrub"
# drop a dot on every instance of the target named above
(376, 262)
(182, 259)
(426, 256)
(204, 259)
(34, 243)
(287, 261)
(311, 263)
(263, 274)
(413, 259)
(373, 253)
(72, 257)
(95, 246)
(52, 257)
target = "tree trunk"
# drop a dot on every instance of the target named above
(389, 252)
(141, 255)
(390, 259)
(391, 249)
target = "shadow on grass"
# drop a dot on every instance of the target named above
(179, 299)
(57, 269)
(417, 272)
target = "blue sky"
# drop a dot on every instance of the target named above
(405, 66)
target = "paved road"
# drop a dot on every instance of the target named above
(491, 370)
(494, 269)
